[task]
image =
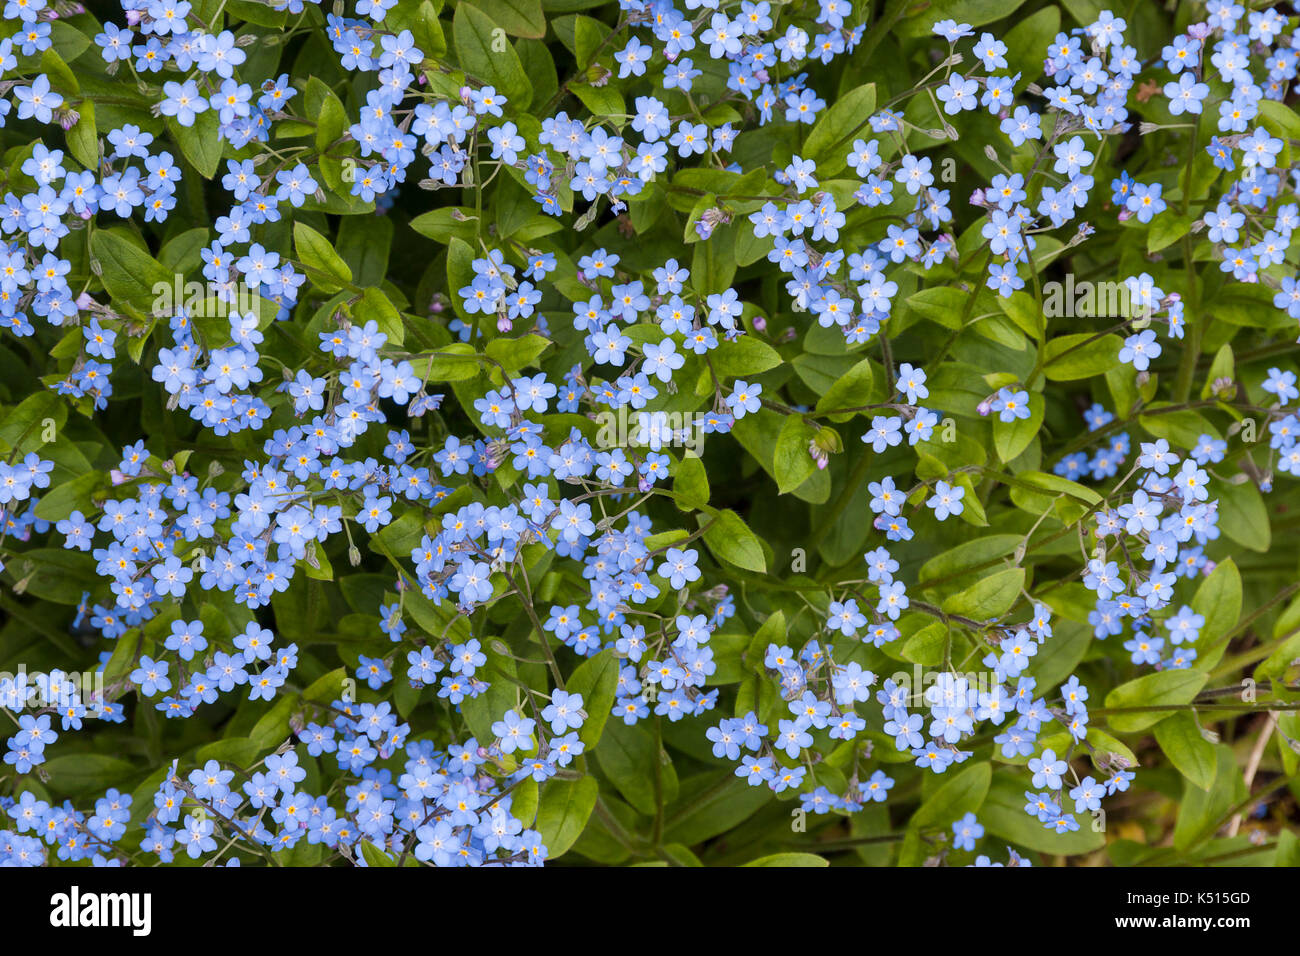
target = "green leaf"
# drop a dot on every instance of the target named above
(331, 126)
(1067, 358)
(255, 12)
(1203, 810)
(1223, 366)
(1179, 736)
(1250, 306)
(988, 598)
(325, 268)
(317, 564)
(422, 21)
(199, 142)
(68, 40)
(1280, 120)
(492, 60)
(1056, 485)
(1061, 654)
(460, 273)
(78, 773)
(772, 631)
(962, 794)
(789, 859)
(853, 389)
(517, 353)
(241, 751)
(129, 273)
(53, 574)
(972, 507)
(588, 34)
(21, 426)
(1021, 308)
(483, 711)
(273, 727)
(596, 679)
(1243, 515)
(730, 539)
(456, 362)
(711, 803)
(519, 18)
(600, 100)
(1182, 427)
(523, 803)
(1028, 39)
(831, 137)
(563, 811)
(327, 688)
(747, 355)
(441, 224)
(375, 856)
(942, 304)
(821, 372)
(1152, 690)
(758, 433)
(968, 555)
(1288, 849)
(1166, 229)
(74, 494)
(627, 757)
(690, 483)
(375, 306)
(83, 137)
(364, 243)
(1217, 599)
(791, 463)
(921, 18)
(1012, 438)
(1003, 815)
(1031, 501)
(122, 661)
(927, 645)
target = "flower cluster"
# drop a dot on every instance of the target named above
(350, 519)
